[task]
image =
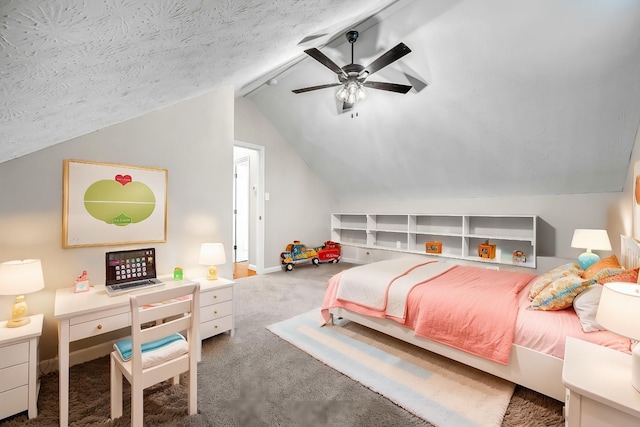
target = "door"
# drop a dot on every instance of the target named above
(241, 210)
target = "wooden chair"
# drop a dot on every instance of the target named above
(156, 353)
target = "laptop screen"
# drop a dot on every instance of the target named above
(129, 266)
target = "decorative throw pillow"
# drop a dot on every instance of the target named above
(630, 276)
(541, 282)
(560, 293)
(610, 262)
(586, 306)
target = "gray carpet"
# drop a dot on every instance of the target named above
(257, 379)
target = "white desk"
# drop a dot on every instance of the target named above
(19, 367)
(87, 314)
(599, 390)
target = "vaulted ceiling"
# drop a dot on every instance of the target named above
(510, 97)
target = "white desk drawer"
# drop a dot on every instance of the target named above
(14, 376)
(215, 327)
(14, 401)
(215, 296)
(216, 311)
(99, 326)
(14, 354)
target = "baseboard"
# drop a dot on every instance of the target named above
(272, 269)
(78, 357)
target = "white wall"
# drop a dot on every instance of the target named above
(193, 140)
(559, 215)
(299, 205)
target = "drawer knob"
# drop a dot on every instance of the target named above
(216, 327)
(215, 296)
(215, 311)
(100, 326)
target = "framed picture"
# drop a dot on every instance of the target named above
(636, 201)
(112, 204)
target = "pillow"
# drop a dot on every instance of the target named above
(154, 352)
(541, 282)
(630, 276)
(610, 262)
(560, 293)
(586, 307)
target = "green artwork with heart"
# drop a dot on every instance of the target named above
(119, 201)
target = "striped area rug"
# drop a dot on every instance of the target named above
(441, 391)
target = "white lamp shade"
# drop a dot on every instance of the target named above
(212, 254)
(21, 277)
(597, 240)
(619, 309)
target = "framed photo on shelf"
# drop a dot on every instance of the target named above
(112, 204)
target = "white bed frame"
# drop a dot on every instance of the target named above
(529, 368)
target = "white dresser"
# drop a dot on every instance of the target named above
(19, 368)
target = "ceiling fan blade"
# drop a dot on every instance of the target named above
(391, 87)
(387, 58)
(324, 60)
(310, 88)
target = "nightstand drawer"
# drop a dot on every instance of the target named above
(215, 327)
(14, 354)
(99, 326)
(14, 401)
(215, 296)
(14, 376)
(216, 311)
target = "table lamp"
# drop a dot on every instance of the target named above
(19, 278)
(619, 312)
(212, 254)
(590, 240)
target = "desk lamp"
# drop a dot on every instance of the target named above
(19, 278)
(590, 240)
(212, 254)
(619, 312)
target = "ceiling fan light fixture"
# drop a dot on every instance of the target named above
(351, 92)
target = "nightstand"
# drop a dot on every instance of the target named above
(19, 368)
(599, 390)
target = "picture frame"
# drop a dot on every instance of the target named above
(113, 204)
(635, 203)
(81, 286)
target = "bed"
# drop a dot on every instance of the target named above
(527, 350)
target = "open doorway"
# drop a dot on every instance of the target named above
(248, 196)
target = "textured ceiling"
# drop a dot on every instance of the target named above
(70, 67)
(524, 97)
(511, 97)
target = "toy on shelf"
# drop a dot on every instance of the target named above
(519, 257)
(485, 250)
(297, 253)
(433, 247)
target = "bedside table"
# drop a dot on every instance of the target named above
(599, 390)
(19, 368)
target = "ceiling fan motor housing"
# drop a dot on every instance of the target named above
(352, 36)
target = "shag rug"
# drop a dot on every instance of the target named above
(441, 391)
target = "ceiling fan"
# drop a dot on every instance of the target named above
(353, 77)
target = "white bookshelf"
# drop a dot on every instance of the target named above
(460, 234)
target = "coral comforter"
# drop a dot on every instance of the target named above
(469, 308)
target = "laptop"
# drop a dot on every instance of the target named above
(132, 270)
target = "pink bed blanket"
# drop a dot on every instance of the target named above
(469, 308)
